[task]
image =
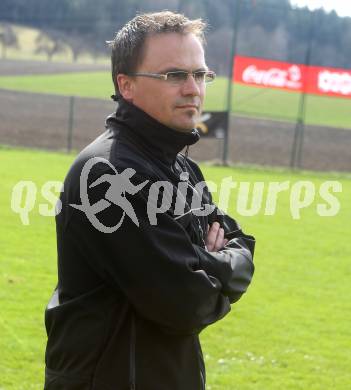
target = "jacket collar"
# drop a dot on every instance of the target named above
(162, 141)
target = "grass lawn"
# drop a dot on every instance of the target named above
(291, 331)
(247, 100)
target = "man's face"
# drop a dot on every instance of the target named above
(176, 106)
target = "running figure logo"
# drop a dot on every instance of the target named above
(120, 184)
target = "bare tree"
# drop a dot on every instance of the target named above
(8, 38)
(77, 44)
(97, 49)
(49, 43)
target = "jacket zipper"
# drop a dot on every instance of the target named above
(132, 355)
(197, 226)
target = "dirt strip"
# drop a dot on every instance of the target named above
(41, 121)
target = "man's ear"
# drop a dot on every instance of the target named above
(126, 86)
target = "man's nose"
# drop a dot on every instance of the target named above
(190, 86)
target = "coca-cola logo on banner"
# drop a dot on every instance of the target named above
(292, 77)
(273, 77)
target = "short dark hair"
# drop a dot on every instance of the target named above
(128, 44)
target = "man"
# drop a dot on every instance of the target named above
(141, 270)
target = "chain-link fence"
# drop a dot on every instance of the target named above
(270, 142)
(51, 121)
(277, 127)
(267, 126)
(63, 123)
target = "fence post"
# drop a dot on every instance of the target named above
(230, 84)
(70, 123)
(296, 153)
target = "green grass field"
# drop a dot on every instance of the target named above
(290, 332)
(247, 100)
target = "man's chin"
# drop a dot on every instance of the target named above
(185, 127)
(188, 124)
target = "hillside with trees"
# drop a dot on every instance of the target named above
(265, 28)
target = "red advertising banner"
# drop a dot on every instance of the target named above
(292, 77)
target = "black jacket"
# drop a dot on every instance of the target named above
(130, 304)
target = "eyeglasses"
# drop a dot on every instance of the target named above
(179, 77)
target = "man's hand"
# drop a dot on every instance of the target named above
(215, 238)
